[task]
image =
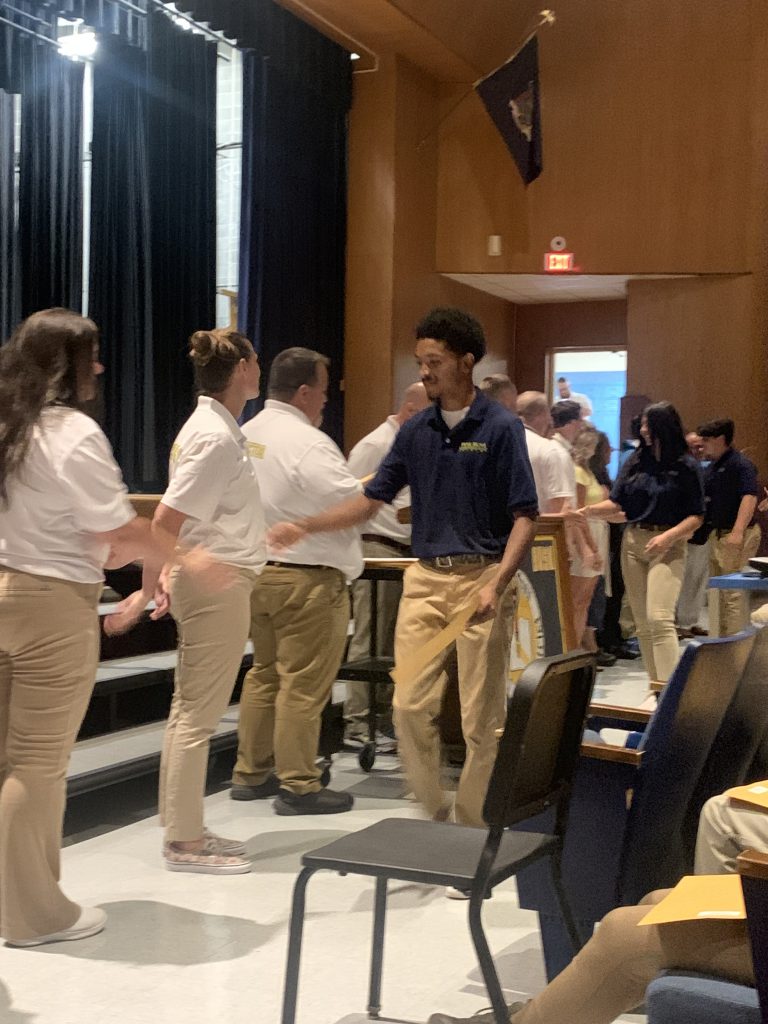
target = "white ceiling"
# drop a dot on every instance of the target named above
(540, 288)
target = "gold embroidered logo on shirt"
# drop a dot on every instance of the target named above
(175, 452)
(256, 450)
(473, 446)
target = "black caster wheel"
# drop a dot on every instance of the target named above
(367, 757)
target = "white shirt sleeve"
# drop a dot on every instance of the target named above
(324, 472)
(559, 482)
(99, 495)
(200, 476)
(364, 459)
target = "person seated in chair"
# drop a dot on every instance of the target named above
(610, 974)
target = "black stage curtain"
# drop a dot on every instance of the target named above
(10, 303)
(293, 229)
(120, 277)
(182, 178)
(51, 181)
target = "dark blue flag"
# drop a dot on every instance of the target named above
(511, 97)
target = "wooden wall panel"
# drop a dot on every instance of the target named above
(691, 342)
(646, 111)
(563, 325)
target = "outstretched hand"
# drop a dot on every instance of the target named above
(285, 536)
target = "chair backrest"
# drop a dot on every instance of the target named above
(678, 742)
(539, 748)
(737, 745)
(753, 868)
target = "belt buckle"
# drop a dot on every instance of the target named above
(444, 562)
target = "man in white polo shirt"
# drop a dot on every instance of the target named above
(300, 603)
(554, 477)
(384, 537)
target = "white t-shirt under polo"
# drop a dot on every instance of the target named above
(549, 470)
(364, 459)
(302, 472)
(68, 489)
(212, 481)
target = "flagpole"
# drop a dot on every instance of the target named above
(546, 17)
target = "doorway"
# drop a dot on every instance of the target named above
(600, 375)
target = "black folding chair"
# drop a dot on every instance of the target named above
(537, 756)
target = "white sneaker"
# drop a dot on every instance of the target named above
(452, 893)
(90, 922)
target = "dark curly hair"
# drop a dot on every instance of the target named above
(457, 329)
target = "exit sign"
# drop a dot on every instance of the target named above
(558, 262)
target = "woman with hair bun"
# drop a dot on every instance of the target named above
(661, 493)
(212, 499)
(64, 514)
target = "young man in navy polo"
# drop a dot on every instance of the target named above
(473, 511)
(730, 490)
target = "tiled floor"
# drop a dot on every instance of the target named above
(196, 949)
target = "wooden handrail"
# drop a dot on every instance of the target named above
(606, 752)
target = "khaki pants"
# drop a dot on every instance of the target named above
(388, 595)
(693, 593)
(611, 973)
(430, 601)
(49, 650)
(653, 587)
(733, 614)
(725, 831)
(299, 621)
(213, 629)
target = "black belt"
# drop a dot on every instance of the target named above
(300, 565)
(444, 563)
(388, 542)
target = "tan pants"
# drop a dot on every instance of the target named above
(733, 614)
(299, 621)
(611, 973)
(388, 595)
(49, 650)
(725, 831)
(213, 629)
(653, 587)
(430, 601)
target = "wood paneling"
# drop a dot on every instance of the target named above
(691, 342)
(563, 325)
(646, 111)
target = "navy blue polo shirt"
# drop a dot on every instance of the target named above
(466, 483)
(726, 482)
(656, 495)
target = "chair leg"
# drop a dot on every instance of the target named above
(485, 959)
(377, 948)
(291, 990)
(565, 907)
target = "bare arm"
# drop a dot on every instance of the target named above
(350, 512)
(520, 539)
(743, 519)
(683, 531)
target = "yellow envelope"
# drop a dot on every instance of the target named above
(701, 898)
(416, 662)
(754, 795)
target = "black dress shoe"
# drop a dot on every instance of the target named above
(325, 801)
(625, 652)
(605, 659)
(270, 787)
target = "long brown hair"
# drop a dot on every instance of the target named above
(48, 361)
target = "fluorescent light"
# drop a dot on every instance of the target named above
(79, 45)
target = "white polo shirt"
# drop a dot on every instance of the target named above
(212, 481)
(562, 449)
(68, 489)
(365, 458)
(302, 472)
(550, 473)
